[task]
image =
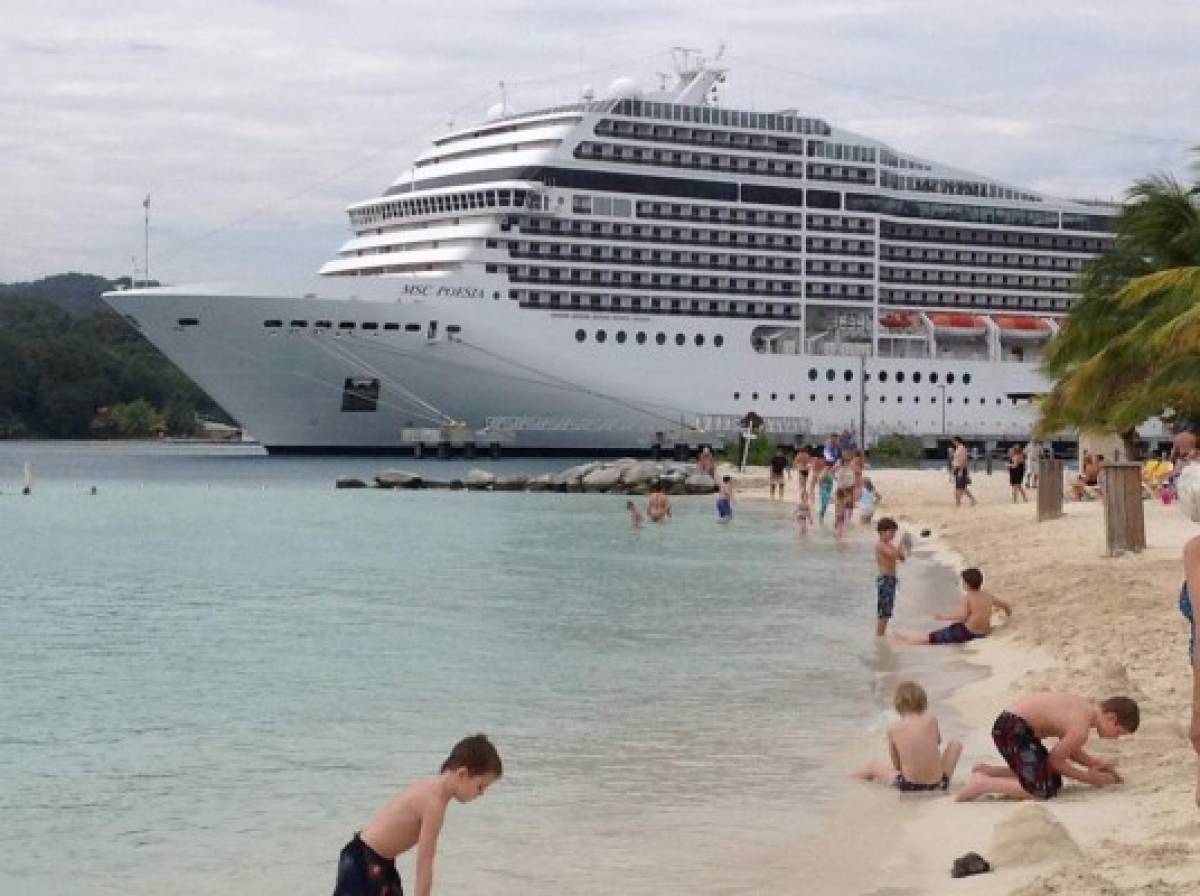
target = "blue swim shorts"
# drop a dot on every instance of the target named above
(885, 587)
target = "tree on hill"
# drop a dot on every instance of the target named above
(1130, 347)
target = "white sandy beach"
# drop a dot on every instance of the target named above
(1083, 622)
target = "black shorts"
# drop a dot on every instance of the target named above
(961, 479)
(1016, 475)
(364, 872)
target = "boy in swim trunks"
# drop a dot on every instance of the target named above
(779, 466)
(914, 741)
(367, 866)
(725, 501)
(1033, 772)
(887, 555)
(973, 618)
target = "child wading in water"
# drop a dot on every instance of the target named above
(635, 515)
(843, 510)
(973, 618)
(414, 817)
(725, 501)
(1033, 771)
(887, 555)
(825, 490)
(914, 741)
(803, 513)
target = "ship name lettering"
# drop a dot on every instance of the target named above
(460, 292)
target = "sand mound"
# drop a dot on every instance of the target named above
(1029, 835)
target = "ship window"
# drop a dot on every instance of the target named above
(391, 326)
(830, 374)
(829, 398)
(737, 395)
(601, 335)
(718, 340)
(699, 339)
(899, 376)
(641, 338)
(773, 396)
(791, 396)
(680, 339)
(983, 401)
(660, 338)
(883, 376)
(272, 323)
(412, 328)
(298, 323)
(580, 335)
(452, 329)
(812, 373)
(370, 325)
(998, 401)
(917, 377)
(950, 379)
(848, 375)
(933, 377)
(192, 322)
(346, 325)
(966, 379)
(360, 394)
(323, 324)
(621, 337)
(754, 396)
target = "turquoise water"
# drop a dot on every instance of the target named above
(218, 667)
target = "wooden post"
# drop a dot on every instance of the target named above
(1124, 518)
(1050, 489)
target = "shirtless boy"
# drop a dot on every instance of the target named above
(887, 555)
(779, 468)
(972, 620)
(1032, 771)
(725, 500)
(658, 505)
(414, 817)
(914, 740)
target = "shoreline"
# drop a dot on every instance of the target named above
(1083, 622)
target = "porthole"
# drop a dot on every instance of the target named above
(737, 395)
(495, 295)
(754, 396)
(829, 398)
(718, 340)
(601, 336)
(966, 379)
(791, 396)
(949, 401)
(699, 339)
(933, 378)
(641, 338)
(829, 375)
(883, 376)
(774, 396)
(812, 373)
(900, 399)
(899, 376)
(621, 337)
(917, 377)
(983, 401)
(883, 399)
(680, 339)
(660, 338)
(848, 398)
(580, 335)
(848, 375)
(950, 379)
(812, 397)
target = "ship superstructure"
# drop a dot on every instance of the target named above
(589, 275)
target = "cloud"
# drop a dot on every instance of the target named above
(255, 123)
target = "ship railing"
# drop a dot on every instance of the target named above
(728, 423)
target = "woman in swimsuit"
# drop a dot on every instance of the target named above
(1016, 473)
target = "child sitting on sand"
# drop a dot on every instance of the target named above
(414, 817)
(914, 740)
(973, 618)
(1034, 772)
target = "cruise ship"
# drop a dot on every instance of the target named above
(617, 272)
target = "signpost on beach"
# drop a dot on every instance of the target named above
(1124, 517)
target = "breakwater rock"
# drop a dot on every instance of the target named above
(624, 477)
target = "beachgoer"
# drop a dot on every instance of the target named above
(868, 501)
(1184, 443)
(825, 493)
(706, 463)
(779, 465)
(833, 449)
(801, 463)
(725, 501)
(1033, 454)
(1032, 771)
(972, 620)
(915, 743)
(658, 505)
(840, 497)
(887, 555)
(803, 514)
(1187, 489)
(818, 468)
(367, 866)
(1088, 478)
(635, 515)
(961, 466)
(1016, 473)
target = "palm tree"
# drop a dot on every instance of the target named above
(1130, 347)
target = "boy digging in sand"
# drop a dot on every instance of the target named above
(914, 740)
(887, 555)
(1034, 772)
(414, 817)
(973, 619)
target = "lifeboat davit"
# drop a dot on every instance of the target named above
(952, 324)
(1023, 328)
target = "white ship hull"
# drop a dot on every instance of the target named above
(524, 371)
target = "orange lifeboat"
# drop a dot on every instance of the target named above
(897, 320)
(951, 323)
(1016, 327)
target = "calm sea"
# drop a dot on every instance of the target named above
(218, 667)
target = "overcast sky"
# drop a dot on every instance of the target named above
(253, 124)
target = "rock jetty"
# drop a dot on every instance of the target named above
(620, 477)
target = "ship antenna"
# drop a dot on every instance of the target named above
(503, 99)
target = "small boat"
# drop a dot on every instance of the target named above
(1023, 328)
(956, 324)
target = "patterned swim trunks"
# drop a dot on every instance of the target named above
(1026, 756)
(363, 872)
(904, 785)
(885, 603)
(956, 633)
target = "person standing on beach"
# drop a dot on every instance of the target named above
(725, 501)
(414, 817)
(1187, 489)
(779, 465)
(1033, 454)
(825, 493)
(887, 556)
(801, 463)
(833, 449)
(1016, 473)
(817, 470)
(960, 466)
